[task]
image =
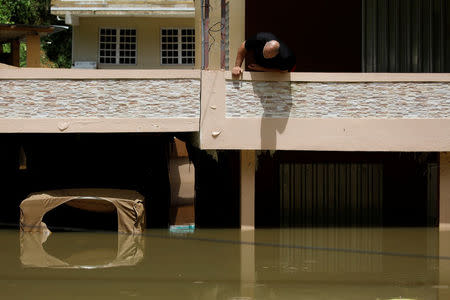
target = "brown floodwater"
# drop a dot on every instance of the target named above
(317, 263)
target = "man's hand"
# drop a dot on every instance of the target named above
(236, 71)
(256, 67)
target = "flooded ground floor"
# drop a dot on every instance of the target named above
(307, 263)
(182, 184)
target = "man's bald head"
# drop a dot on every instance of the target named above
(271, 49)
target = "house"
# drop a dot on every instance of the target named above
(327, 143)
(130, 34)
(357, 136)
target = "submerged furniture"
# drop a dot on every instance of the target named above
(128, 204)
(129, 252)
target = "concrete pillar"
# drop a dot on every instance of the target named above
(211, 10)
(15, 53)
(444, 225)
(33, 51)
(444, 264)
(248, 277)
(198, 34)
(444, 190)
(247, 189)
(215, 21)
(237, 29)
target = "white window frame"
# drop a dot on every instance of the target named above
(180, 47)
(117, 49)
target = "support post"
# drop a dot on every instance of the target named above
(15, 53)
(33, 51)
(248, 276)
(247, 189)
(236, 30)
(444, 264)
(214, 31)
(198, 34)
(444, 223)
(444, 190)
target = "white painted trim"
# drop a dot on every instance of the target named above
(71, 19)
(185, 9)
(117, 44)
(180, 46)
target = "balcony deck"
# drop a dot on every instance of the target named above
(291, 111)
(326, 111)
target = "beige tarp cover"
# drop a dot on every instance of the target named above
(130, 251)
(129, 206)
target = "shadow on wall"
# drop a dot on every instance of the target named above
(276, 101)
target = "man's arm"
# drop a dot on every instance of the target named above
(237, 70)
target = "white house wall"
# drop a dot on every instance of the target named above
(86, 39)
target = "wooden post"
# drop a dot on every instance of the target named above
(444, 190)
(15, 53)
(247, 189)
(33, 51)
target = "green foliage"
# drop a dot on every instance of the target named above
(30, 12)
(6, 48)
(23, 55)
(5, 13)
(57, 47)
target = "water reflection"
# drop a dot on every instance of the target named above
(343, 263)
(94, 253)
(338, 263)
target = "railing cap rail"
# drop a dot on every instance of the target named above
(47, 73)
(342, 77)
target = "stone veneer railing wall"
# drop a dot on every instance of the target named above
(376, 100)
(99, 100)
(291, 111)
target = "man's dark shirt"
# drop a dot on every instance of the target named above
(285, 60)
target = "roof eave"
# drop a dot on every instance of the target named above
(125, 14)
(186, 12)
